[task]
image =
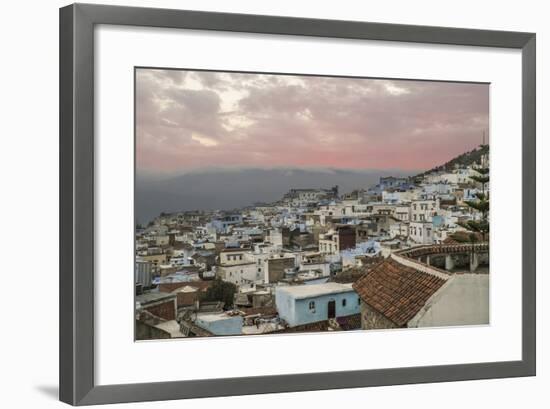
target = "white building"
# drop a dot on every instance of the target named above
(144, 272)
(421, 232)
(402, 212)
(237, 266)
(399, 228)
(397, 196)
(424, 210)
(275, 237)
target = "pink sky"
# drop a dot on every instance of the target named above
(193, 120)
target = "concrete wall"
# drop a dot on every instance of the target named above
(464, 300)
(276, 268)
(297, 312)
(238, 274)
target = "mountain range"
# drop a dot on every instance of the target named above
(229, 189)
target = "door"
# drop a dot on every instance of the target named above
(331, 309)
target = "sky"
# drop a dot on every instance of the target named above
(189, 121)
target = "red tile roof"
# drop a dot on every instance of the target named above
(448, 248)
(396, 291)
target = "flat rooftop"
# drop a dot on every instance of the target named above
(216, 317)
(315, 290)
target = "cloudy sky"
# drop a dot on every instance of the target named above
(189, 121)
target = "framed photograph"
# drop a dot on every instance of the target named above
(258, 204)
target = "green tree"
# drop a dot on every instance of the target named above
(221, 291)
(481, 205)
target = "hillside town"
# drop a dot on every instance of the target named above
(407, 252)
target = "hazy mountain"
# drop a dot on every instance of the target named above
(228, 189)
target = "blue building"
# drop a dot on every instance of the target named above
(221, 323)
(369, 248)
(222, 224)
(304, 304)
(391, 182)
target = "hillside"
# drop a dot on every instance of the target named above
(465, 159)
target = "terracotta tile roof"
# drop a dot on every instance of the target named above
(396, 291)
(447, 248)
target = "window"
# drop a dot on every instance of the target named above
(358, 300)
(311, 305)
(344, 301)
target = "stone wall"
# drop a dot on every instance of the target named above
(372, 319)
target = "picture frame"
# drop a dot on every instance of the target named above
(77, 363)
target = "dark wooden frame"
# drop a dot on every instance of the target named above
(77, 23)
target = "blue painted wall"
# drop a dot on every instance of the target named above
(297, 312)
(226, 326)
